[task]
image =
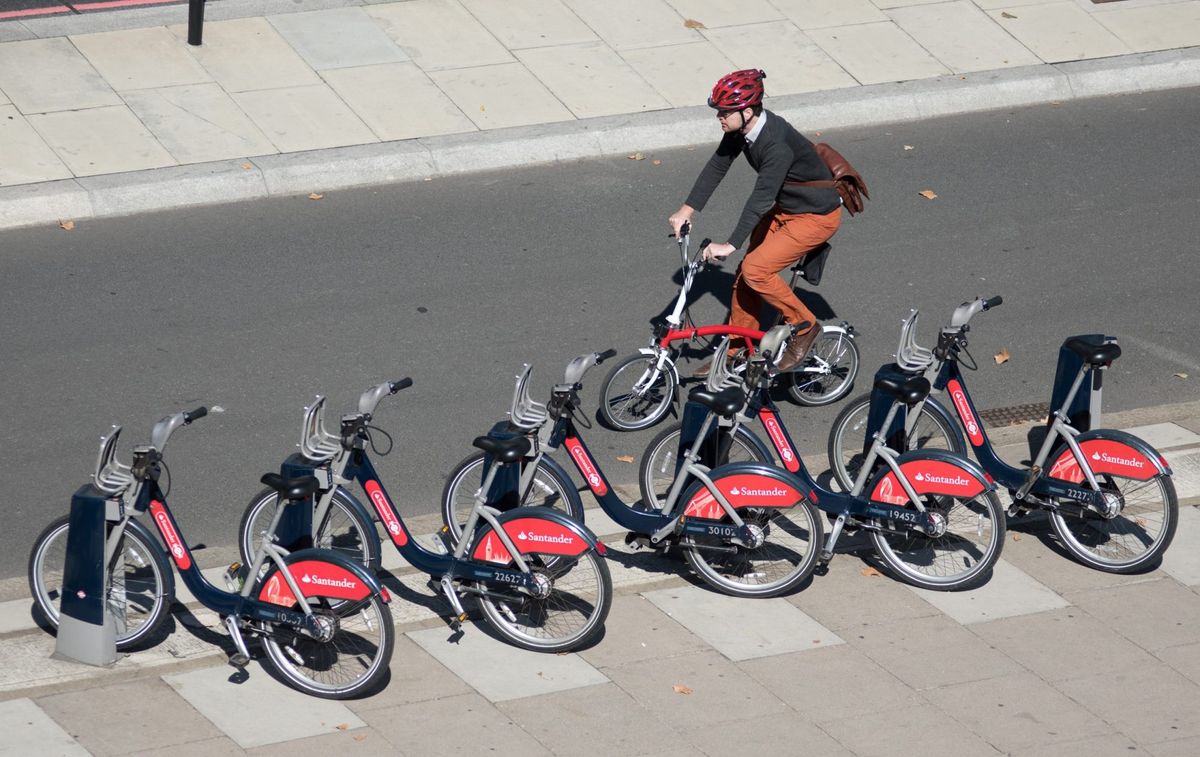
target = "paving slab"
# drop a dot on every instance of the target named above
(24, 155)
(1112, 745)
(962, 37)
(715, 13)
(237, 708)
(1164, 435)
(793, 61)
(199, 123)
(354, 741)
(304, 118)
(45, 75)
(765, 734)
(922, 730)
(903, 648)
(815, 14)
(629, 24)
(397, 101)
(682, 74)
(415, 677)
(469, 725)
(101, 140)
(1149, 704)
(1175, 748)
(1185, 474)
(500, 671)
(501, 95)
(1154, 614)
(247, 54)
(439, 34)
(637, 630)
(1183, 659)
(591, 79)
(764, 627)
(29, 730)
(141, 58)
(126, 717)
(1181, 561)
(1155, 27)
(1057, 32)
(337, 38)
(1009, 592)
(520, 24)
(14, 31)
(1017, 712)
(878, 52)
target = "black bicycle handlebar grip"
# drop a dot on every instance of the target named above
(602, 356)
(705, 242)
(993, 302)
(195, 415)
(403, 383)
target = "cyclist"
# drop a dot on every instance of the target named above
(783, 218)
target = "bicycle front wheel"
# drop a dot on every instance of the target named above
(789, 541)
(934, 429)
(345, 529)
(568, 613)
(139, 585)
(636, 394)
(351, 656)
(1132, 541)
(551, 487)
(960, 558)
(828, 371)
(656, 472)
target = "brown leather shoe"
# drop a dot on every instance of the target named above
(798, 347)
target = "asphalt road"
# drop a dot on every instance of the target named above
(1082, 216)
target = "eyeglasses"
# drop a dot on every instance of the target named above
(724, 114)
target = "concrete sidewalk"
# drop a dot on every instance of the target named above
(1048, 658)
(111, 114)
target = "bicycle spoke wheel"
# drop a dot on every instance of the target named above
(576, 594)
(657, 469)
(344, 529)
(790, 540)
(848, 437)
(549, 488)
(139, 585)
(828, 371)
(960, 558)
(635, 394)
(1133, 540)
(349, 659)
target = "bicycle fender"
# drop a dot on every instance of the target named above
(670, 363)
(1108, 451)
(323, 573)
(930, 472)
(536, 529)
(744, 485)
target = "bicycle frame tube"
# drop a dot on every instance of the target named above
(720, 329)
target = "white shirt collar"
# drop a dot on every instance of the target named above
(758, 127)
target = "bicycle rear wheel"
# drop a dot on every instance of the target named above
(551, 487)
(345, 529)
(139, 585)
(1136, 538)
(828, 371)
(351, 659)
(635, 394)
(960, 558)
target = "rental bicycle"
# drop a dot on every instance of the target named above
(539, 577)
(322, 620)
(641, 389)
(1109, 495)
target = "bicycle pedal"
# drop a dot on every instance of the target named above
(239, 660)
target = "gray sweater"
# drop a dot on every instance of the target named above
(779, 154)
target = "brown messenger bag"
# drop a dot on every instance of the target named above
(847, 181)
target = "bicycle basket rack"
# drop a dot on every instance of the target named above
(525, 413)
(315, 442)
(111, 476)
(909, 355)
(719, 376)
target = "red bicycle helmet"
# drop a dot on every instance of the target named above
(739, 90)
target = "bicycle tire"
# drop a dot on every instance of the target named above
(344, 531)
(935, 429)
(656, 471)
(572, 614)
(628, 408)
(792, 541)
(1089, 539)
(551, 487)
(818, 388)
(933, 562)
(351, 663)
(138, 601)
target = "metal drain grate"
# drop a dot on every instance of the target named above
(1010, 416)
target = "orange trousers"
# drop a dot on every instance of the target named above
(777, 242)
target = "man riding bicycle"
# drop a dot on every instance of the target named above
(783, 218)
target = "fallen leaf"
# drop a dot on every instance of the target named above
(1016, 537)
(66, 225)
(342, 726)
(928, 194)
(625, 458)
(1006, 14)
(1140, 521)
(869, 571)
(636, 156)
(1177, 375)
(428, 178)
(360, 737)
(315, 196)
(909, 147)
(247, 166)
(692, 23)
(482, 109)
(681, 689)
(657, 162)
(1001, 357)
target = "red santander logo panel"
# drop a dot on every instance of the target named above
(176, 546)
(316, 579)
(969, 421)
(779, 439)
(586, 466)
(386, 513)
(743, 490)
(1104, 456)
(927, 477)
